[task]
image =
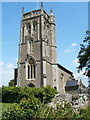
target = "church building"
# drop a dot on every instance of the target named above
(37, 60)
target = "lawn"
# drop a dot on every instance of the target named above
(4, 106)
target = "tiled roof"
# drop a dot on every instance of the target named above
(71, 83)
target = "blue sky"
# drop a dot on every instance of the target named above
(71, 23)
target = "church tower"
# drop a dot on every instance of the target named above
(37, 49)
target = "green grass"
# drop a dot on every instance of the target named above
(4, 106)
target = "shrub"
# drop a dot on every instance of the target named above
(84, 113)
(15, 94)
(32, 108)
(45, 94)
(25, 110)
(11, 83)
(10, 94)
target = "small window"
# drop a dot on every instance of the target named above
(28, 72)
(55, 88)
(30, 46)
(35, 26)
(62, 80)
(44, 25)
(29, 28)
(62, 76)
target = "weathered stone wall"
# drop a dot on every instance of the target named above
(62, 78)
(44, 52)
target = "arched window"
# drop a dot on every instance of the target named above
(29, 28)
(62, 80)
(31, 69)
(30, 46)
(35, 26)
(55, 88)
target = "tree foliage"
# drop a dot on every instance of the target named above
(84, 55)
(11, 83)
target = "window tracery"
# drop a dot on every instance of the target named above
(30, 46)
(31, 69)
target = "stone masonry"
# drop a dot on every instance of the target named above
(37, 61)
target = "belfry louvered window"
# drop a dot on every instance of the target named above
(35, 26)
(29, 28)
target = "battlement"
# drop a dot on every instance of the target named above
(32, 13)
(35, 13)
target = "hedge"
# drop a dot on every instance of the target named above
(15, 94)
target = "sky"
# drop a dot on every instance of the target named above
(71, 20)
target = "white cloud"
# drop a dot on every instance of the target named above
(1, 63)
(74, 44)
(10, 66)
(70, 49)
(6, 73)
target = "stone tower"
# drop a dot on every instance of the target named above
(37, 49)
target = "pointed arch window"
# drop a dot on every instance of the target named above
(29, 28)
(62, 80)
(30, 46)
(31, 69)
(35, 26)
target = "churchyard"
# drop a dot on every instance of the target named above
(39, 103)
